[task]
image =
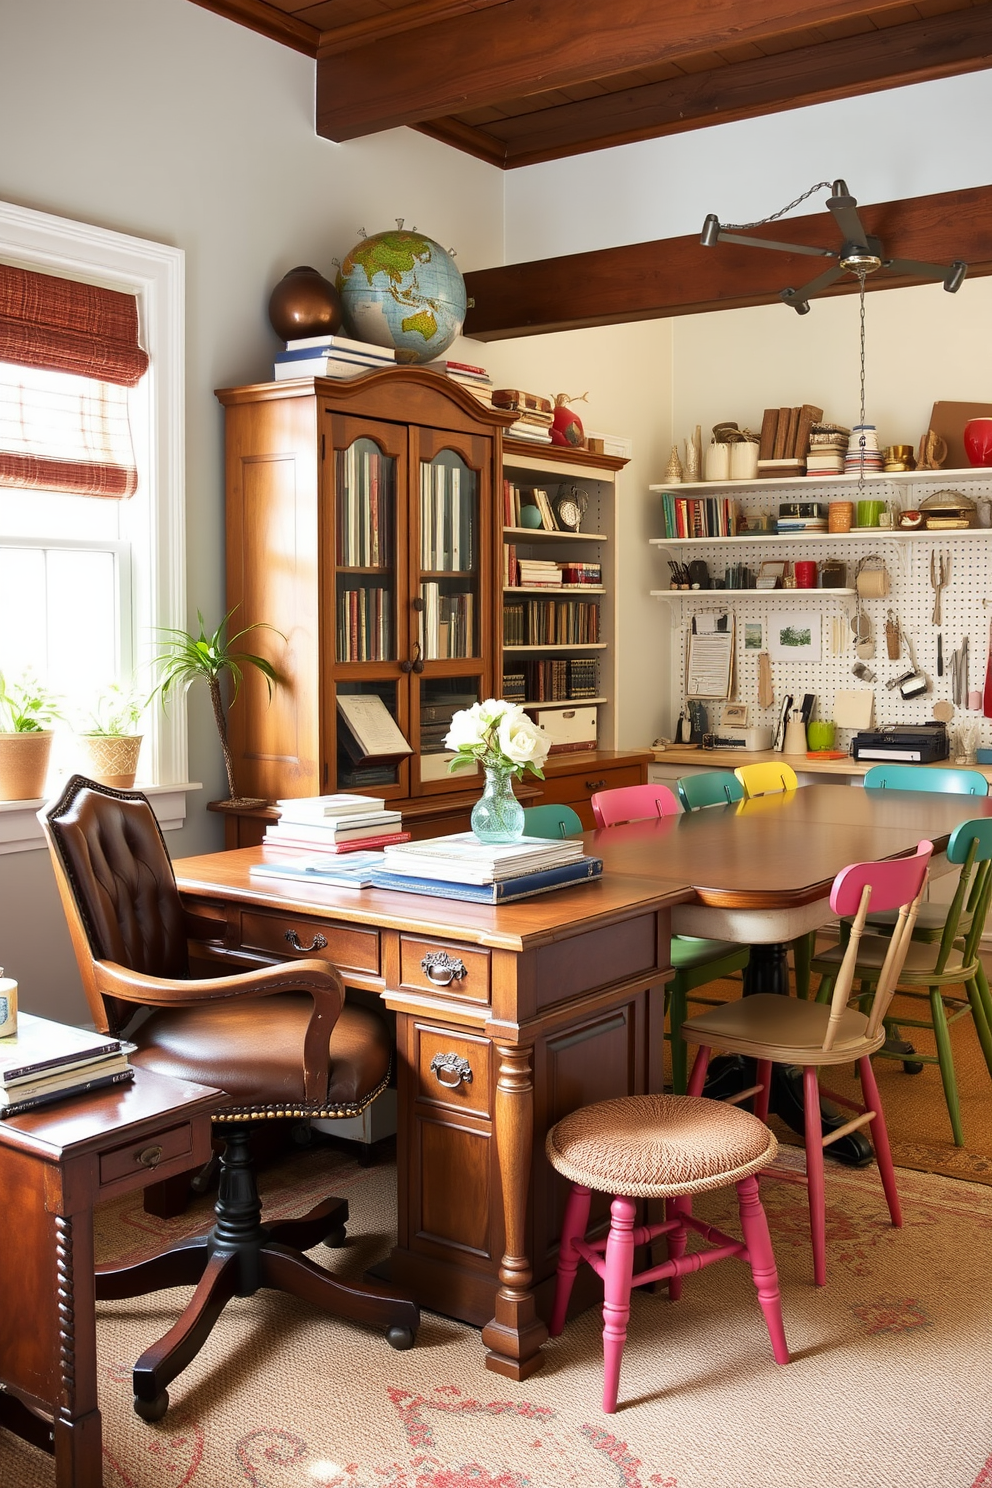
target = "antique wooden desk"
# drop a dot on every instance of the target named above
(55, 1164)
(506, 1019)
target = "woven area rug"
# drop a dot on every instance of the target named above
(887, 1388)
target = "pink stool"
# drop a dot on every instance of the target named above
(668, 1147)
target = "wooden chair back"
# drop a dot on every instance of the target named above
(926, 778)
(552, 820)
(969, 843)
(896, 883)
(633, 803)
(766, 779)
(709, 788)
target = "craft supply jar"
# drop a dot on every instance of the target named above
(717, 462)
(840, 516)
(744, 460)
(805, 571)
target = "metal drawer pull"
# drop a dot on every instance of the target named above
(149, 1157)
(443, 1066)
(443, 969)
(318, 943)
(595, 784)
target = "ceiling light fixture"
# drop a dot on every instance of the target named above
(860, 252)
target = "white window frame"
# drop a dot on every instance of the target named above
(155, 274)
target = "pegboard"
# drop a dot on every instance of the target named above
(964, 613)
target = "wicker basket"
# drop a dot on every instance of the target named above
(110, 759)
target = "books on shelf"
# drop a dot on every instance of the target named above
(501, 891)
(460, 857)
(355, 872)
(556, 680)
(447, 622)
(517, 401)
(330, 356)
(45, 1061)
(364, 623)
(347, 344)
(447, 519)
(364, 504)
(551, 622)
(699, 516)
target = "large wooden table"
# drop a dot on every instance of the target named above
(550, 1004)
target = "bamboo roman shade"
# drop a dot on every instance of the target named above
(68, 354)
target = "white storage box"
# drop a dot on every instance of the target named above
(568, 728)
(435, 767)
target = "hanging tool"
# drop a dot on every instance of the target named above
(940, 572)
(893, 636)
(987, 698)
(940, 654)
(765, 694)
(959, 674)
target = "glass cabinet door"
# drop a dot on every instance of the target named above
(440, 699)
(365, 553)
(449, 558)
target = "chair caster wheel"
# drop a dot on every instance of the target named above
(336, 1237)
(400, 1338)
(152, 1410)
(912, 1067)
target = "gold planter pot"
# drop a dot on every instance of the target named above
(24, 765)
(109, 759)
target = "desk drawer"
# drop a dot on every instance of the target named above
(453, 1069)
(453, 970)
(577, 790)
(150, 1158)
(293, 937)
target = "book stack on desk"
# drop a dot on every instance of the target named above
(334, 824)
(45, 1062)
(459, 866)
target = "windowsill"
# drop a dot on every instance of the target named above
(20, 829)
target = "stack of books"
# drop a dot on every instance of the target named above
(538, 573)
(475, 380)
(581, 573)
(435, 721)
(827, 448)
(45, 1062)
(459, 866)
(334, 824)
(534, 414)
(330, 356)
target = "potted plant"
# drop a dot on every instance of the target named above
(185, 658)
(27, 711)
(110, 746)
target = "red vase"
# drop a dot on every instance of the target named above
(566, 426)
(978, 441)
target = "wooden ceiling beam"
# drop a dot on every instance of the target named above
(678, 276)
(522, 47)
(268, 21)
(938, 46)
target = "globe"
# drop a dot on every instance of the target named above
(401, 289)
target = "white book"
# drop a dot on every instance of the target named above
(342, 343)
(460, 857)
(306, 808)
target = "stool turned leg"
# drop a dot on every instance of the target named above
(880, 1140)
(574, 1227)
(763, 1077)
(698, 1076)
(815, 1192)
(675, 1209)
(762, 1259)
(616, 1295)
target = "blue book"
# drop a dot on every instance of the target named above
(523, 887)
(355, 872)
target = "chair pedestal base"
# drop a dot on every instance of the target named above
(238, 1257)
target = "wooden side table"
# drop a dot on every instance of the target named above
(55, 1164)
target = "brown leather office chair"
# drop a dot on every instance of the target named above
(280, 1041)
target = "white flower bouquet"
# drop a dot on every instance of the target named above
(499, 736)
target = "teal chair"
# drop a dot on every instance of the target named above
(551, 821)
(933, 973)
(709, 788)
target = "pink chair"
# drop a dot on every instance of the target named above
(668, 1147)
(633, 803)
(787, 1030)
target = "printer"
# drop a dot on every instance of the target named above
(911, 744)
(748, 740)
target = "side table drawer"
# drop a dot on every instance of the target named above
(453, 1069)
(149, 1158)
(434, 966)
(292, 937)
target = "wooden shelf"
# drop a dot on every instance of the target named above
(538, 533)
(572, 646)
(566, 703)
(554, 589)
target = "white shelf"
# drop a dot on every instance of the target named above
(537, 533)
(572, 646)
(566, 703)
(752, 593)
(867, 534)
(842, 482)
(554, 589)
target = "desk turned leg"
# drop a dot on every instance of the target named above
(515, 1335)
(76, 1431)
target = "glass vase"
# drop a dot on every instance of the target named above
(497, 815)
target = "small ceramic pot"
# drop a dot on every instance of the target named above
(978, 441)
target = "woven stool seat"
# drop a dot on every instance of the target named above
(659, 1146)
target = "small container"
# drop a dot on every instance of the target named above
(833, 574)
(840, 517)
(805, 574)
(8, 1006)
(744, 460)
(717, 462)
(795, 734)
(820, 734)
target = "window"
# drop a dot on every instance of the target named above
(86, 582)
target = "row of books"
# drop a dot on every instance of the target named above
(447, 519)
(560, 680)
(340, 823)
(364, 624)
(785, 432)
(330, 356)
(545, 573)
(365, 503)
(446, 623)
(516, 498)
(700, 516)
(551, 622)
(44, 1062)
(534, 414)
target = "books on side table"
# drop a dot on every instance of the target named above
(45, 1062)
(459, 866)
(334, 824)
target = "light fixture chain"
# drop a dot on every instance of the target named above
(861, 276)
(736, 226)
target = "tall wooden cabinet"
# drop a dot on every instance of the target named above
(364, 526)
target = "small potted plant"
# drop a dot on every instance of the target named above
(27, 712)
(110, 743)
(185, 658)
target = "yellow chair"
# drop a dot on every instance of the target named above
(770, 778)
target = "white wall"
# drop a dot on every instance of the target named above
(157, 118)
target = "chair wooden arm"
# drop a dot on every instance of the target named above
(322, 981)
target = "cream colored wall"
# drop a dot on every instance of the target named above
(157, 118)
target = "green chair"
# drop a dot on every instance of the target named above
(709, 788)
(552, 821)
(933, 973)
